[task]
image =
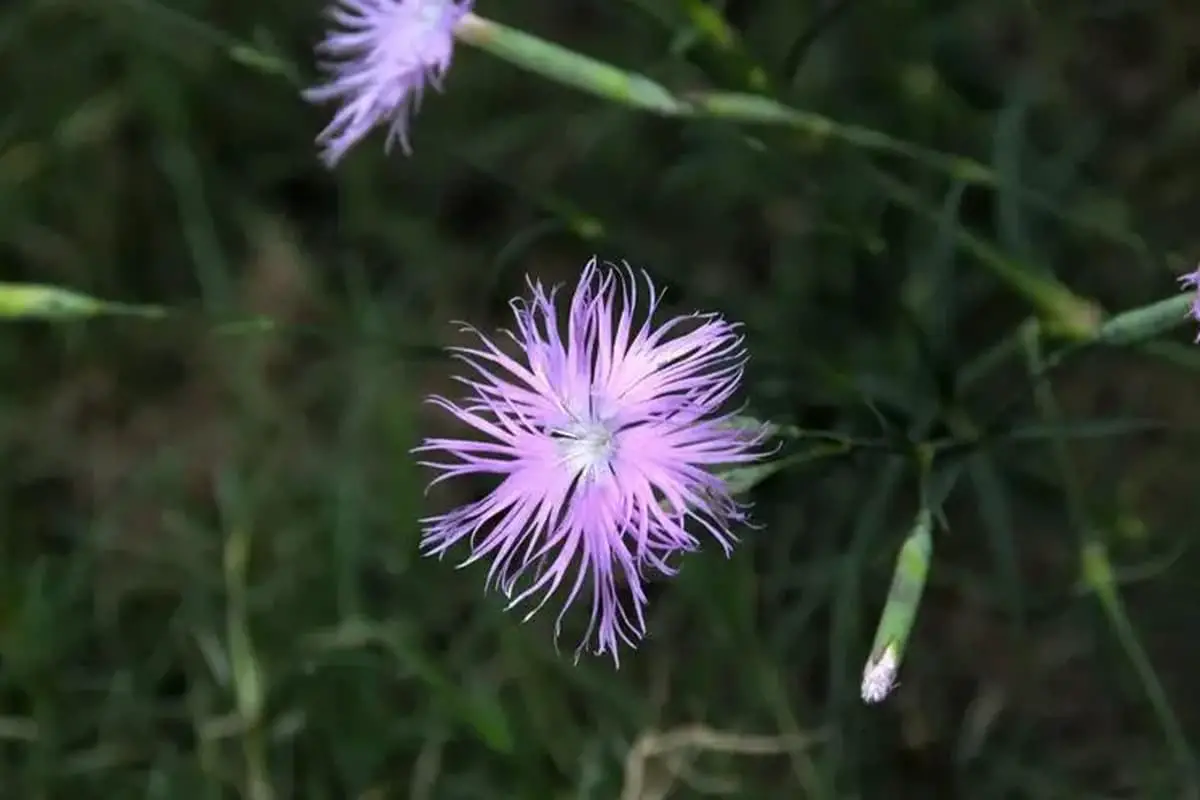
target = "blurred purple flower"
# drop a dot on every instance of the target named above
(603, 436)
(1191, 282)
(379, 57)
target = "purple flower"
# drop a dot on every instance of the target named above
(379, 59)
(603, 435)
(1191, 282)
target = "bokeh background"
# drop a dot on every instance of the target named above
(210, 584)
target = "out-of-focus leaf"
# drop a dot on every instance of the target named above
(40, 301)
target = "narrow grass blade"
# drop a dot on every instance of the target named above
(1098, 575)
(712, 27)
(1063, 311)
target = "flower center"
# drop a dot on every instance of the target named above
(586, 446)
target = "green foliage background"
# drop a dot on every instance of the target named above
(208, 521)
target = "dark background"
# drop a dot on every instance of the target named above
(210, 582)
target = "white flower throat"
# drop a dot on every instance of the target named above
(586, 446)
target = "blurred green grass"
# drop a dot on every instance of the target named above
(210, 581)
